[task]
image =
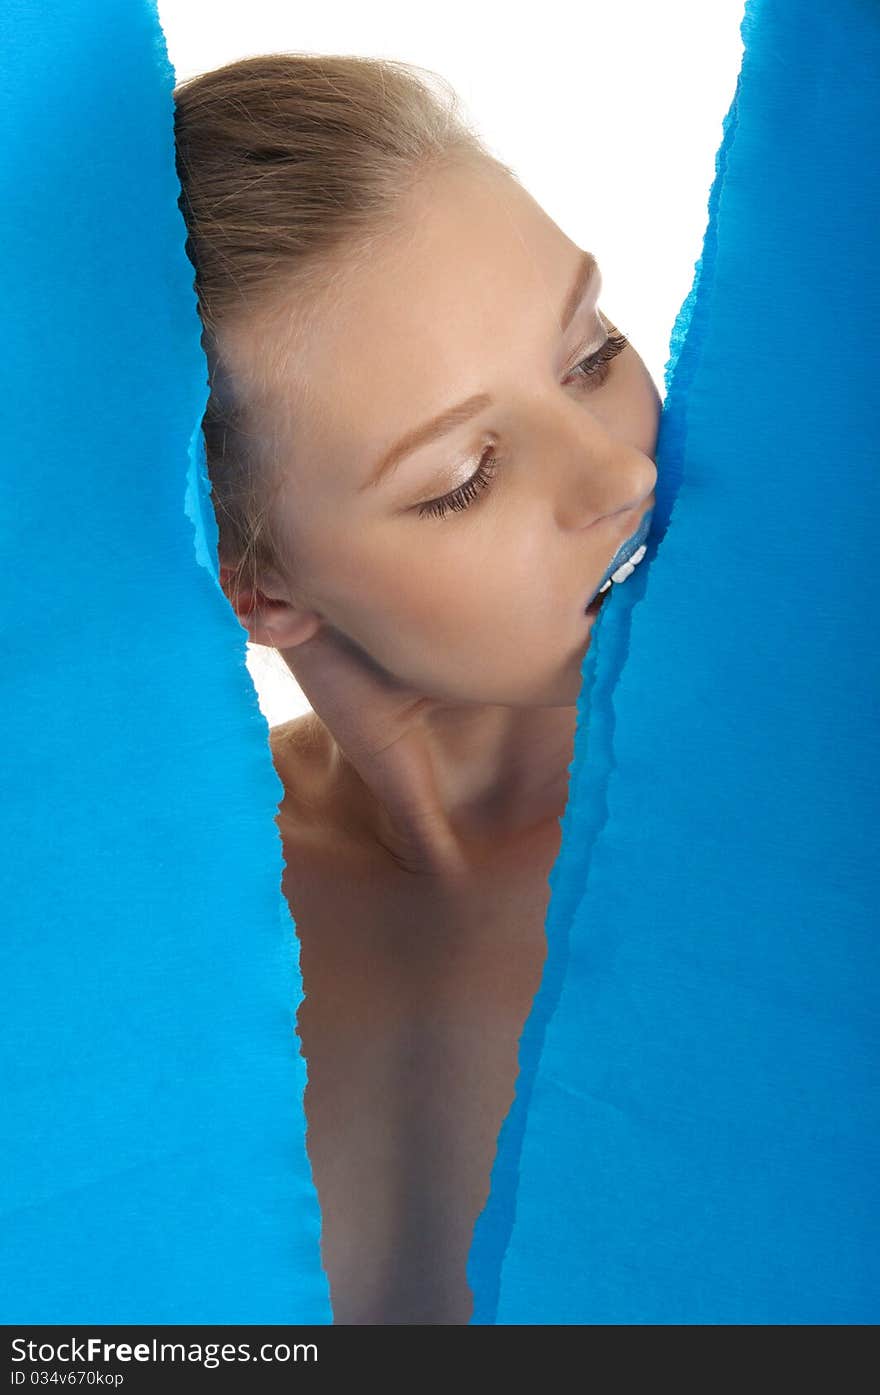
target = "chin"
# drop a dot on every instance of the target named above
(565, 691)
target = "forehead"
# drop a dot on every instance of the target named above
(472, 263)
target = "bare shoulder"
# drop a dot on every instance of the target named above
(298, 737)
(300, 753)
(317, 823)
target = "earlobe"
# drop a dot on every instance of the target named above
(277, 624)
(286, 626)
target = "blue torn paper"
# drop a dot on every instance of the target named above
(154, 1164)
(695, 1136)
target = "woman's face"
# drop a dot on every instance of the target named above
(458, 479)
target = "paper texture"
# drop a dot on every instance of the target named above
(154, 1167)
(695, 1134)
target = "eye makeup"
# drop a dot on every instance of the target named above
(591, 371)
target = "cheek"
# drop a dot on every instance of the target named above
(456, 590)
(469, 586)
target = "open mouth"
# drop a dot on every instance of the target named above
(623, 563)
(617, 578)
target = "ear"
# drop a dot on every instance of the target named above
(279, 624)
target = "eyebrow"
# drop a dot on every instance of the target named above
(463, 411)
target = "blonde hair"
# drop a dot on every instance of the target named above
(291, 165)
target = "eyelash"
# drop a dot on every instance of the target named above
(595, 367)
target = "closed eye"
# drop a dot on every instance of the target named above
(592, 370)
(596, 365)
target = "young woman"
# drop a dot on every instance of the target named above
(429, 448)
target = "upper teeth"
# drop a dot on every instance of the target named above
(626, 568)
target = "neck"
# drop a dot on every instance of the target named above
(463, 781)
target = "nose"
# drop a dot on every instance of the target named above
(614, 478)
(595, 460)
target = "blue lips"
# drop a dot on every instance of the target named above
(625, 551)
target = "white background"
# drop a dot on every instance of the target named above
(609, 112)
